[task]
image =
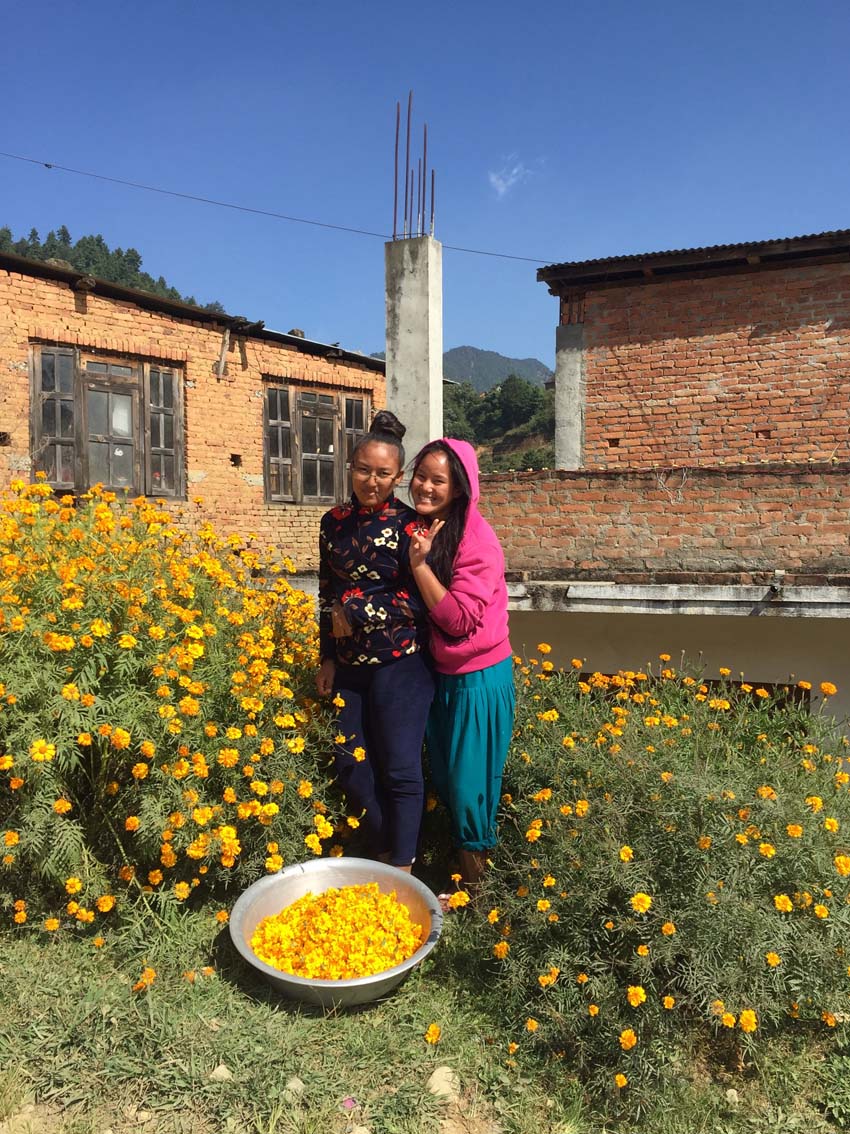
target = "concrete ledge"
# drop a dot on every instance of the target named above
(751, 601)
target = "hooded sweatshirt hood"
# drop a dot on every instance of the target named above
(466, 455)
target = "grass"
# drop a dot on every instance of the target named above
(81, 1042)
(94, 1055)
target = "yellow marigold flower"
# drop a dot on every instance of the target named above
(783, 903)
(339, 701)
(42, 752)
(432, 1035)
(139, 771)
(642, 950)
(313, 842)
(105, 903)
(704, 842)
(628, 1039)
(635, 995)
(728, 1020)
(669, 1001)
(582, 808)
(501, 950)
(748, 1021)
(131, 823)
(767, 850)
(51, 924)
(626, 854)
(148, 976)
(531, 1025)
(11, 838)
(120, 739)
(154, 877)
(620, 1080)
(543, 904)
(842, 864)
(773, 959)
(582, 978)
(84, 739)
(359, 754)
(668, 928)
(815, 802)
(73, 885)
(830, 824)
(593, 1009)
(305, 789)
(544, 648)
(640, 902)
(62, 806)
(821, 911)
(458, 899)
(794, 830)
(127, 642)
(828, 689)
(182, 891)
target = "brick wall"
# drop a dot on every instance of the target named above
(751, 365)
(674, 525)
(221, 417)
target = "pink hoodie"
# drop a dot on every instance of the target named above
(470, 622)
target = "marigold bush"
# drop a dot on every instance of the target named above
(157, 735)
(674, 861)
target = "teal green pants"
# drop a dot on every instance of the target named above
(469, 731)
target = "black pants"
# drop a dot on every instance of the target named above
(385, 713)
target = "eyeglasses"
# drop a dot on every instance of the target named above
(370, 474)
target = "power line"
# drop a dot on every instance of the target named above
(248, 208)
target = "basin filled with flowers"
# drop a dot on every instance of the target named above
(336, 932)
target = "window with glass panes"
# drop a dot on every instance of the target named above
(111, 421)
(309, 437)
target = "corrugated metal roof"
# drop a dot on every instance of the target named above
(710, 252)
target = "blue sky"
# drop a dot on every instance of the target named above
(559, 131)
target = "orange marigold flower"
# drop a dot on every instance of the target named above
(628, 1039)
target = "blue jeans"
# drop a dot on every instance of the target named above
(385, 712)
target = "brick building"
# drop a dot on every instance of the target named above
(104, 383)
(703, 452)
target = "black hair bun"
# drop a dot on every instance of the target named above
(385, 421)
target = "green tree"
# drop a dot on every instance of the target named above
(518, 402)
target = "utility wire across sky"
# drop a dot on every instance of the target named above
(51, 165)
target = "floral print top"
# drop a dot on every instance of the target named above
(364, 565)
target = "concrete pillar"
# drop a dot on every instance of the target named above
(414, 283)
(569, 396)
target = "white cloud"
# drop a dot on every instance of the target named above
(512, 172)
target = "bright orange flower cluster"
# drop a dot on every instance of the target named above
(346, 932)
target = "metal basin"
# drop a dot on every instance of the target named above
(273, 893)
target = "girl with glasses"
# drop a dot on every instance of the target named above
(373, 635)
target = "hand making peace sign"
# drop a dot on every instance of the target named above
(422, 542)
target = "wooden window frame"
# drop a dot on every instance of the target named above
(136, 383)
(310, 402)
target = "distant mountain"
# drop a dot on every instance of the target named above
(485, 369)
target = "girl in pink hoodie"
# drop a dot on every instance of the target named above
(459, 568)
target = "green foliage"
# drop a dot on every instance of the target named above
(157, 730)
(673, 863)
(93, 255)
